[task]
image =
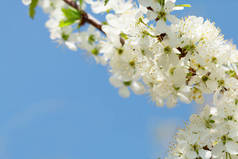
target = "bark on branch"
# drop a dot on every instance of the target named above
(86, 18)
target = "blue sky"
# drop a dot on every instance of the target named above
(58, 104)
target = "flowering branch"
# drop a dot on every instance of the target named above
(85, 17)
(180, 60)
(170, 61)
(211, 134)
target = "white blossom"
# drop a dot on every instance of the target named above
(214, 132)
(182, 60)
(26, 2)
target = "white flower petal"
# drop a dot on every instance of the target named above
(124, 92)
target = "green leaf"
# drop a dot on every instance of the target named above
(71, 13)
(81, 3)
(71, 16)
(183, 5)
(105, 2)
(32, 8)
(64, 23)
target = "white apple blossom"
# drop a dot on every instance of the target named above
(211, 134)
(119, 6)
(182, 60)
(136, 86)
(160, 11)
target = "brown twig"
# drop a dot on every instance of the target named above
(86, 18)
(72, 4)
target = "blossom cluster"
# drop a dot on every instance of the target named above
(148, 49)
(212, 134)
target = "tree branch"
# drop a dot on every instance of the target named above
(86, 18)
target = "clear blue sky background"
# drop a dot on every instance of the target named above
(58, 104)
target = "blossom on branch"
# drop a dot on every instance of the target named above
(148, 50)
(212, 134)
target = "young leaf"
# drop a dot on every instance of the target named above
(32, 8)
(81, 3)
(183, 5)
(71, 13)
(71, 16)
(64, 23)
